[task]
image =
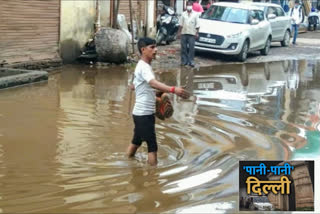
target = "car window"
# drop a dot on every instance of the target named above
(272, 10)
(260, 15)
(226, 14)
(252, 15)
(280, 12)
(257, 14)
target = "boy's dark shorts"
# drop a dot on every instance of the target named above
(144, 130)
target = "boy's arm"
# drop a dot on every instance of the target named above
(165, 88)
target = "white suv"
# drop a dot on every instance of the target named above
(234, 29)
(280, 23)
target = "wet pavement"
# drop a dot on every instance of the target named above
(62, 143)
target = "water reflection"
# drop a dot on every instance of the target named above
(67, 153)
(269, 91)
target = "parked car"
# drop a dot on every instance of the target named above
(280, 24)
(234, 29)
(260, 203)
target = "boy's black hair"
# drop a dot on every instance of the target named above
(144, 42)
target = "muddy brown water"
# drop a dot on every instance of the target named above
(62, 143)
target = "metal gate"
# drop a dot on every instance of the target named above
(29, 30)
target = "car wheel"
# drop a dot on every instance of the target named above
(266, 48)
(244, 51)
(286, 39)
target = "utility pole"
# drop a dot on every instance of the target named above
(131, 23)
(115, 14)
(97, 23)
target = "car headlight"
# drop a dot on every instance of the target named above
(236, 35)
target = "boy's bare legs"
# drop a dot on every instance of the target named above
(131, 151)
(152, 158)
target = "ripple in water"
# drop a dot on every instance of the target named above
(68, 153)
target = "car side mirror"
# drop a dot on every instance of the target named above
(271, 16)
(255, 21)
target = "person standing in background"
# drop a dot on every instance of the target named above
(296, 15)
(189, 32)
(313, 19)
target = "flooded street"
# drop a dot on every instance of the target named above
(63, 142)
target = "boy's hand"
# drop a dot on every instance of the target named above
(131, 86)
(182, 93)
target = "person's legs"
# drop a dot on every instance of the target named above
(144, 131)
(151, 139)
(310, 23)
(136, 140)
(295, 28)
(191, 41)
(188, 48)
(184, 56)
(315, 21)
(152, 158)
(131, 150)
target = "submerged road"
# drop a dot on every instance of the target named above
(63, 142)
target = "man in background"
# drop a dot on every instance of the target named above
(313, 19)
(188, 31)
(296, 15)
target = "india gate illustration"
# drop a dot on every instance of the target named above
(301, 188)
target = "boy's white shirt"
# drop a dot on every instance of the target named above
(145, 95)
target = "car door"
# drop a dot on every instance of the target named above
(263, 28)
(254, 30)
(284, 22)
(275, 23)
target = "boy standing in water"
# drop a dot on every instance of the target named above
(144, 108)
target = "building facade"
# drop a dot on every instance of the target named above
(29, 30)
(36, 30)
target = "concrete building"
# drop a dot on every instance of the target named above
(29, 30)
(54, 29)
